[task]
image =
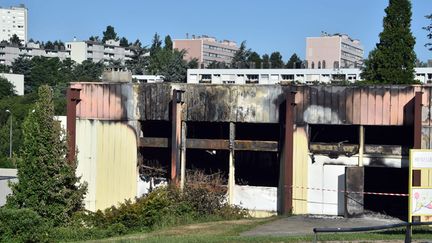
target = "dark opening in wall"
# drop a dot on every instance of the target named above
(389, 135)
(257, 131)
(208, 161)
(390, 180)
(155, 162)
(334, 134)
(256, 168)
(208, 130)
(156, 128)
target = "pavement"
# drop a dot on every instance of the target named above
(303, 225)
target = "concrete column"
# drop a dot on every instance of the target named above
(361, 146)
(175, 135)
(231, 173)
(73, 98)
(418, 120)
(183, 156)
(288, 154)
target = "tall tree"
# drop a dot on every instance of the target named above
(254, 60)
(429, 30)
(88, 71)
(156, 45)
(15, 40)
(46, 182)
(294, 62)
(6, 88)
(109, 34)
(124, 42)
(393, 59)
(241, 56)
(168, 43)
(276, 60)
(139, 60)
(176, 67)
(266, 61)
(94, 38)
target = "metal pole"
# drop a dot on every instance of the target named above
(10, 137)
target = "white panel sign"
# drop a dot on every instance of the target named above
(422, 159)
(421, 201)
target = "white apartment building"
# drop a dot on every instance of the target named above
(8, 53)
(13, 20)
(275, 76)
(95, 51)
(17, 80)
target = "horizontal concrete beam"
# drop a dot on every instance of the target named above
(217, 144)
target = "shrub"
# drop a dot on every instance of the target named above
(22, 225)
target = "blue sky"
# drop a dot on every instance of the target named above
(266, 25)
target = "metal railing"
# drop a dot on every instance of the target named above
(408, 229)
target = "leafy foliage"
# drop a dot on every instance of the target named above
(6, 88)
(46, 182)
(294, 62)
(240, 59)
(276, 60)
(22, 225)
(429, 30)
(15, 40)
(124, 42)
(393, 59)
(254, 60)
(109, 34)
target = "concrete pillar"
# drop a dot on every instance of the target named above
(288, 154)
(175, 135)
(231, 173)
(73, 97)
(183, 156)
(361, 146)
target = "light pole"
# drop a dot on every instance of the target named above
(10, 134)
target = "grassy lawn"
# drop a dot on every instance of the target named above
(229, 231)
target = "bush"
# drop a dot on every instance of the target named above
(22, 225)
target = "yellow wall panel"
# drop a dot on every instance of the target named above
(300, 170)
(424, 177)
(116, 164)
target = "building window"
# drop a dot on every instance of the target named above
(336, 64)
(323, 64)
(313, 65)
(319, 64)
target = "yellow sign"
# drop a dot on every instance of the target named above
(420, 185)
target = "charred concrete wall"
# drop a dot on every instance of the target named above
(315, 165)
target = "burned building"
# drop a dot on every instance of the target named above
(331, 150)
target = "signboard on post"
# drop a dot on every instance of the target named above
(420, 185)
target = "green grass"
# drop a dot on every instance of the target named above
(229, 231)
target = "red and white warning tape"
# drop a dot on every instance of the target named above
(369, 193)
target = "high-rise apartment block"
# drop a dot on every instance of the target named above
(96, 51)
(207, 49)
(13, 20)
(333, 51)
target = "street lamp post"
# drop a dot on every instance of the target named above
(10, 134)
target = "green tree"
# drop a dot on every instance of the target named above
(15, 40)
(49, 45)
(393, 59)
(156, 45)
(175, 70)
(88, 71)
(254, 60)
(46, 182)
(168, 43)
(429, 30)
(276, 60)
(266, 61)
(94, 38)
(6, 88)
(124, 42)
(294, 62)
(109, 34)
(217, 65)
(22, 65)
(139, 60)
(193, 63)
(240, 59)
